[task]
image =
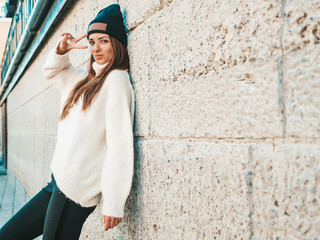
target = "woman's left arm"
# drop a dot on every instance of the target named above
(117, 170)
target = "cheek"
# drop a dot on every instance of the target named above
(108, 50)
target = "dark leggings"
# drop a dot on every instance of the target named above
(49, 213)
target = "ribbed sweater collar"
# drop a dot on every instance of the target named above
(98, 67)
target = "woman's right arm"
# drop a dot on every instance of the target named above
(58, 69)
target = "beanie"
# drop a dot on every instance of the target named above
(109, 20)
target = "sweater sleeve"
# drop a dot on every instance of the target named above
(58, 69)
(117, 171)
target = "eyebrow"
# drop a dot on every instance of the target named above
(99, 37)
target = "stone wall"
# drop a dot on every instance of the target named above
(227, 127)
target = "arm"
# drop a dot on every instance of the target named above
(118, 168)
(58, 69)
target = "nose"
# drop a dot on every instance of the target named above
(96, 47)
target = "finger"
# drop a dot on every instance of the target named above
(116, 222)
(81, 37)
(79, 46)
(107, 223)
(112, 222)
(69, 36)
(120, 220)
(63, 41)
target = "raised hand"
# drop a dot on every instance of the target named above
(68, 42)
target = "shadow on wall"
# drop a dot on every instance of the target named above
(3, 171)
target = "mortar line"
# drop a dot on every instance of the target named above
(250, 193)
(249, 140)
(29, 100)
(143, 21)
(280, 74)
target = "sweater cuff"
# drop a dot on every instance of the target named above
(113, 205)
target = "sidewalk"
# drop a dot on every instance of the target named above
(12, 197)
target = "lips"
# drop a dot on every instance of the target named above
(98, 56)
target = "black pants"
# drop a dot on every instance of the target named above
(49, 213)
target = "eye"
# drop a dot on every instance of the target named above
(105, 41)
(91, 42)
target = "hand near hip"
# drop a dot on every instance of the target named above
(110, 222)
(68, 42)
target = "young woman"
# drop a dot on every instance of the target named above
(93, 158)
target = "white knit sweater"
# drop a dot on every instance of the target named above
(94, 157)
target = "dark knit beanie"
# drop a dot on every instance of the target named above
(109, 20)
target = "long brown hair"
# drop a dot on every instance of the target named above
(91, 85)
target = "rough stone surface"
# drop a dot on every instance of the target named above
(301, 64)
(213, 201)
(227, 121)
(284, 198)
(201, 69)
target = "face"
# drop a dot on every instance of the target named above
(100, 47)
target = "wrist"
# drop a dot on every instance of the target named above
(60, 52)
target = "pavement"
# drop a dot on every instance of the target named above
(12, 196)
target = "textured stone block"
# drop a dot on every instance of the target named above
(189, 190)
(285, 197)
(136, 12)
(201, 69)
(301, 63)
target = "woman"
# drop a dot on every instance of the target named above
(93, 158)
